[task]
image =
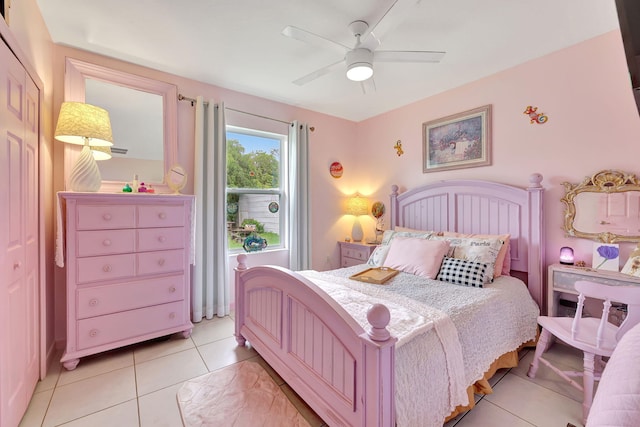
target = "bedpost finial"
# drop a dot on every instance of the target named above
(394, 189)
(379, 316)
(242, 262)
(534, 180)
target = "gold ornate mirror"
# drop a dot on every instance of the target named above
(604, 207)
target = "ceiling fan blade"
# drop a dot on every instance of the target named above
(391, 18)
(319, 73)
(314, 39)
(368, 86)
(407, 56)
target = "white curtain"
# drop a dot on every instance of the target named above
(299, 199)
(211, 293)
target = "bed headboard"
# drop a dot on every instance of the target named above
(483, 207)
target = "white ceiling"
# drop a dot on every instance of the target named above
(237, 44)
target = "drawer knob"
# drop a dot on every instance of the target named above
(172, 289)
(106, 268)
(161, 261)
(106, 242)
(93, 302)
(17, 265)
(162, 215)
(172, 315)
(162, 239)
(107, 217)
(93, 332)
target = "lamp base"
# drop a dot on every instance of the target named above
(356, 232)
(85, 175)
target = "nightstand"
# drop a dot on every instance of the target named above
(354, 253)
(563, 277)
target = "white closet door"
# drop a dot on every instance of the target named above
(19, 238)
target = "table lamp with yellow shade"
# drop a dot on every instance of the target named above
(87, 125)
(357, 206)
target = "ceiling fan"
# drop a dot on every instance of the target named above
(360, 58)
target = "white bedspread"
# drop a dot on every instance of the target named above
(459, 332)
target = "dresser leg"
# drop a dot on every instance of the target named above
(70, 365)
(187, 333)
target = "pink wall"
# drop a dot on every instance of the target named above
(593, 125)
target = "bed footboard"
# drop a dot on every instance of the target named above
(342, 371)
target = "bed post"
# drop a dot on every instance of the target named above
(379, 363)
(394, 207)
(239, 321)
(536, 259)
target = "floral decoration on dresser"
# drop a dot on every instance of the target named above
(606, 256)
(534, 116)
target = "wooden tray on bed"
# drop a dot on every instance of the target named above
(377, 275)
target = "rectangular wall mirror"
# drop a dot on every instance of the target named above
(143, 116)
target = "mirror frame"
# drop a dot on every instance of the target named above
(76, 71)
(606, 181)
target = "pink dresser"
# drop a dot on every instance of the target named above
(127, 258)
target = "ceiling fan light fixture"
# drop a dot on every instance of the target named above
(359, 64)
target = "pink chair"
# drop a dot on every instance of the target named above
(596, 337)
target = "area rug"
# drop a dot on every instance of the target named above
(240, 395)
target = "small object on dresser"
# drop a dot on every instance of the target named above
(566, 255)
(142, 188)
(347, 239)
(134, 183)
(126, 188)
(150, 189)
(581, 264)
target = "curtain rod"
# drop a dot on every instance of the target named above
(193, 101)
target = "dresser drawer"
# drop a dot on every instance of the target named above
(100, 217)
(150, 216)
(106, 299)
(161, 262)
(350, 262)
(153, 239)
(357, 253)
(105, 242)
(101, 330)
(107, 267)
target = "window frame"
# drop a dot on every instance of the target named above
(283, 211)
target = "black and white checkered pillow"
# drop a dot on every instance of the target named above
(462, 272)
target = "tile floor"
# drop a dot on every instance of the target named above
(137, 386)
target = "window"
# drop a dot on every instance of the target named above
(256, 202)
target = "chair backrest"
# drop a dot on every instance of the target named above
(629, 295)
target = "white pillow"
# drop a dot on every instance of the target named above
(484, 251)
(417, 256)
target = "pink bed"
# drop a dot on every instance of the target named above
(344, 367)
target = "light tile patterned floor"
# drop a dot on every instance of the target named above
(136, 386)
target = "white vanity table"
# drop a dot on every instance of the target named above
(562, 279)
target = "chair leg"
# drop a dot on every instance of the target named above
(587, 384)
(541, 347)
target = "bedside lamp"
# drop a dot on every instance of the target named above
(566, 255)
(356, 206)
(87, 125)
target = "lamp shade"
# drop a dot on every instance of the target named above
(357, 205)
(101, 153)
(79, 121)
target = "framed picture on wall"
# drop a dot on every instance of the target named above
(459, 141)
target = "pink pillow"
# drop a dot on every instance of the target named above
(417, 256)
